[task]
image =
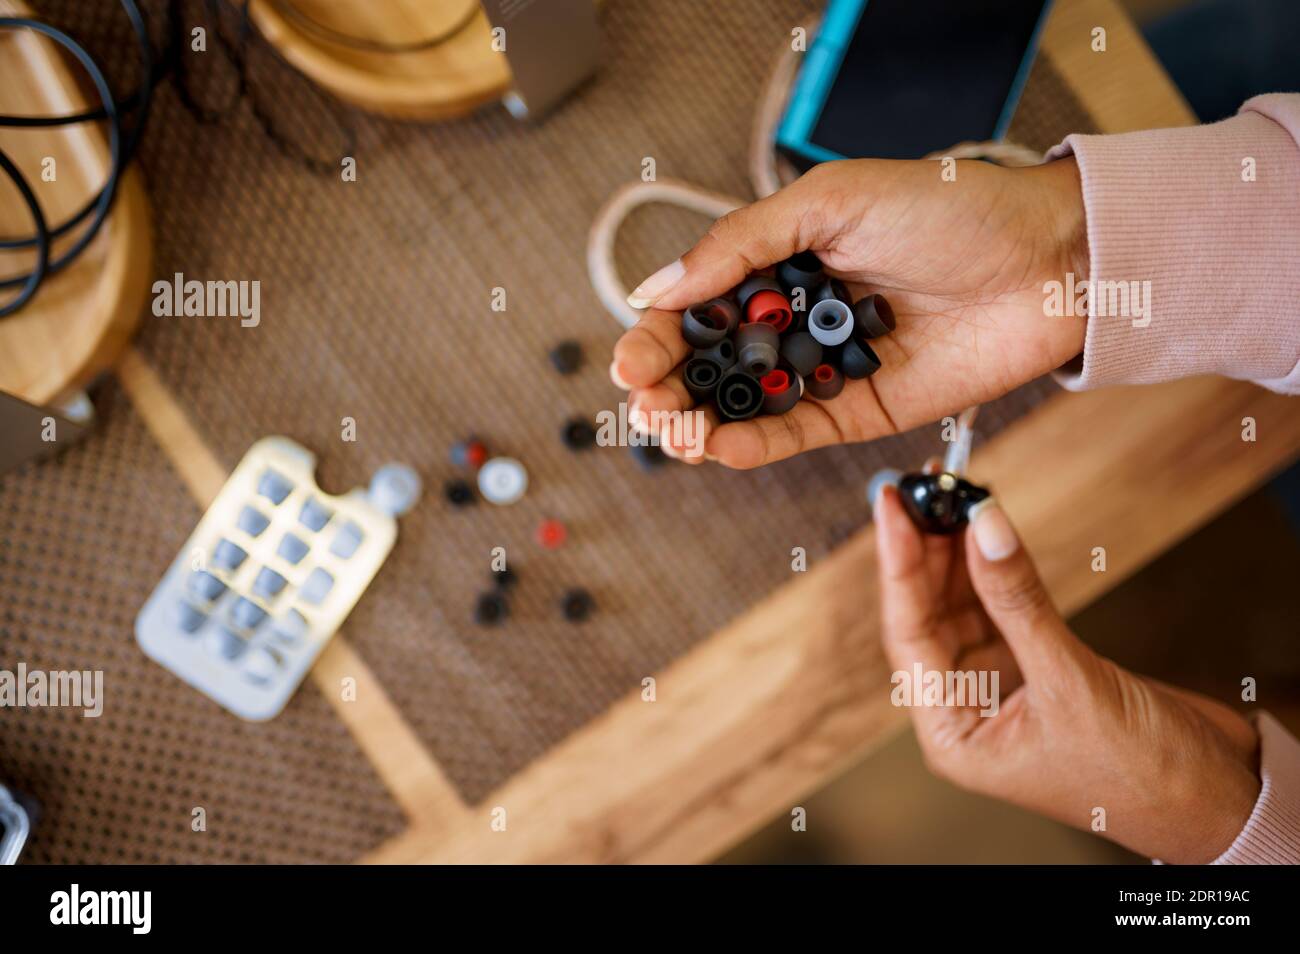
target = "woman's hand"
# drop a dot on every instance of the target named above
(962, 262)
(1174, 771)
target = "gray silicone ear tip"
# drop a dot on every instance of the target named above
(754, 284)
(826, 382)
(874, 317)
(723, 354)
(757, 347)
(802, 351)
(858, 360)
(801, 270)
(739, 395)
(830, 321)
(703, 326)
(701, 377)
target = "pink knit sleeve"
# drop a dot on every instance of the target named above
(1194, 241)
(1272, 835)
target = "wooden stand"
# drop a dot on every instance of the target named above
(80, 318)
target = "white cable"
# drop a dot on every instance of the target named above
(957, 458)
(600, 239)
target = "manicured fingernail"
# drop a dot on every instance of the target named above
(710, 458)
(994, 534)
(617, 377)
(888, 477)
(657, 285)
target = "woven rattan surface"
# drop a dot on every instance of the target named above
(86, 535)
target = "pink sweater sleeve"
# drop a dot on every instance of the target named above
(1201, 225)
(1272, 835)
(1210, 260)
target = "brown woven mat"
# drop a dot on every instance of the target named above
(376, 306)
(86, 536)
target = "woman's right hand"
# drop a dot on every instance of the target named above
(963, 263)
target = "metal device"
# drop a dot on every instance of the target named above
(552, 47)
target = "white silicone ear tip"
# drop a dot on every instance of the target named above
(394, 489)
(889, 477)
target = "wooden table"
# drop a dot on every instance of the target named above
(771, 707)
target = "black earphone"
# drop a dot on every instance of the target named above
(939, 503)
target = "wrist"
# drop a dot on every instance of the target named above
(1217, 809)
(1064, 230)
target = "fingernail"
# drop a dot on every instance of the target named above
(657, 285)
(617, 377)
(710, 458)
(994, 535)
(888, 477)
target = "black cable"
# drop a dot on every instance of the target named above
(37, 274)
(111, 111)
(235, 52)
(101, 203)
(123, 148)
(309, 24)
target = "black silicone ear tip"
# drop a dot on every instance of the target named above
(801, 270)
(757, 347)
(858, 360)
(752, 286)
(723, 354)
(802, 351)
(781, 390)
(701, 377)
(826, 382)
(873, 316)
(739, 395)
(939, 503)
(707, 323)
(832, 288)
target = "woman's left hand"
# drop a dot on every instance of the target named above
(1174, 771)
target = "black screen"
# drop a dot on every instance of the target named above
(921, 75)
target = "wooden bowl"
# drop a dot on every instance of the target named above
(450, 79)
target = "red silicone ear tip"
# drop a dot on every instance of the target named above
(771, 308)
(774, 382)
(824, 373)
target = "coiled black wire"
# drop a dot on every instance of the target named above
(124, 144)
(99, 205)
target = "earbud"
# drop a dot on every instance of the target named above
(939, 503)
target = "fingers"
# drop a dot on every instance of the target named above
(909, 600)
(762, 440)
(1015, 599)
(856, 415)
(666, 410)
(743, 241)
(649, 350)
